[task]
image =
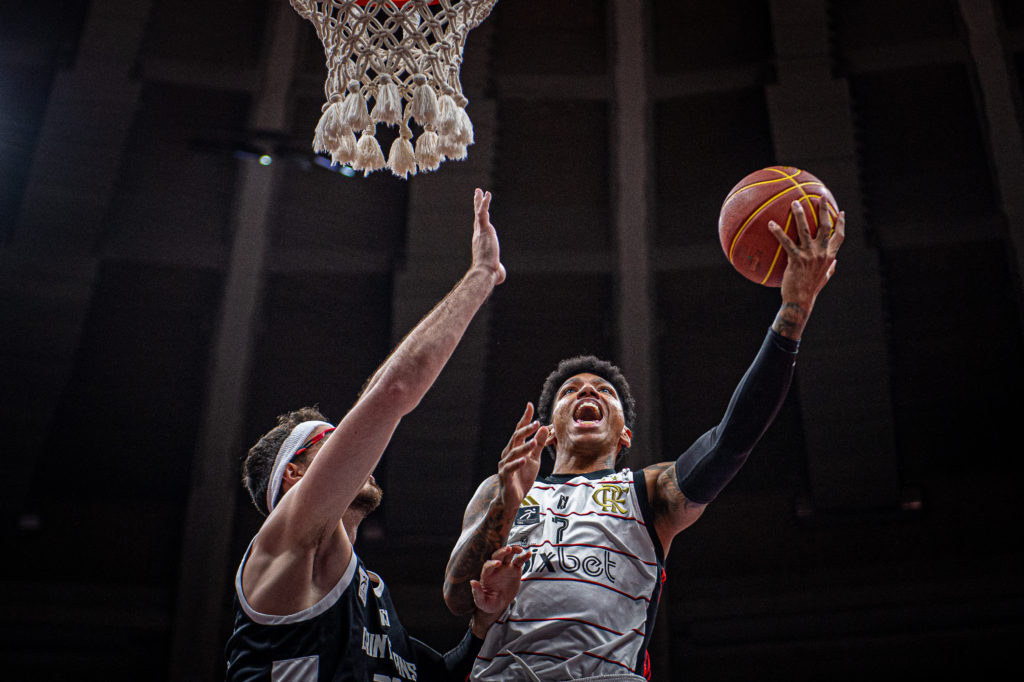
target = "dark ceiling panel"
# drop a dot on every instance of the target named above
(539, 36)
(227, 32)
(177, 178)
(883, 23)
(924, 159)
(119, 465)
(957, 396)
(683, 43)
(40, 43)
(704, 145)
(567, 205)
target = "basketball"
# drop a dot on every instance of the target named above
(765, 195)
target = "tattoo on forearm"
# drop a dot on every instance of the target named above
(790, 321)
(487, 514)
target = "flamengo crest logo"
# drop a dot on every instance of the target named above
(611, 498)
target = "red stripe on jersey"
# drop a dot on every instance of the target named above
(589, 484)
(614, 516)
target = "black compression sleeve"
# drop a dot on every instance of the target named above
(710, 463)
(454, 666)
(459, 661)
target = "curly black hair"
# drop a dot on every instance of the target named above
(589, 364)
(259, 461)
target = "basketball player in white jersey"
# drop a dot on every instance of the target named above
(306, 608)
(598, 537)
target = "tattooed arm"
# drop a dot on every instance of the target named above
(680, 490)
(489, 515)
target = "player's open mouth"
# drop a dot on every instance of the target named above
(587, 412)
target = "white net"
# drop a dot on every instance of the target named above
(396, 63)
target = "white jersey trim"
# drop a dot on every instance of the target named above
(313, 611)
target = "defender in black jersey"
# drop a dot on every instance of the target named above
(306, 608)
(598, 538)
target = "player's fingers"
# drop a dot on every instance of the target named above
(509, 466)
(802, 228)
(501, 552)
(522, 428)
(519, 560)
(825, 222)
(838, 235)
(782, 237)
(527, 416)
(490, 565)
(541, 438)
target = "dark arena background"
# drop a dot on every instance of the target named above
(177, 268)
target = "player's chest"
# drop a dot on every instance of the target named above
(553, 510)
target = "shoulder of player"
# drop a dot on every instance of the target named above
(654, 472)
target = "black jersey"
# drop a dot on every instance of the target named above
(353, 634)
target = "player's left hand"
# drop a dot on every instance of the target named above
(499, 580)
(486, 251)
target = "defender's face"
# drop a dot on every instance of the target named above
(587, 413)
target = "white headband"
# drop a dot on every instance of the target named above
(292, 443)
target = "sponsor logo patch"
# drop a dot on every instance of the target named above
(527, 516)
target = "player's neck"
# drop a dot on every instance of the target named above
(582, 462)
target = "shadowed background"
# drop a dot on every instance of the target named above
(164, 296)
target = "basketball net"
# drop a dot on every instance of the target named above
(394, 62)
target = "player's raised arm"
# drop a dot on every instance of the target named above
(680, 490)
(340, 469)
(491, 512)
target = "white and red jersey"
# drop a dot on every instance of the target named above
(591, 586)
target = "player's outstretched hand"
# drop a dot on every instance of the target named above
(499, 580)
(813, 260)
(520, 460)
(486, 253)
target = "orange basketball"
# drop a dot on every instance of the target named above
(764, 195)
